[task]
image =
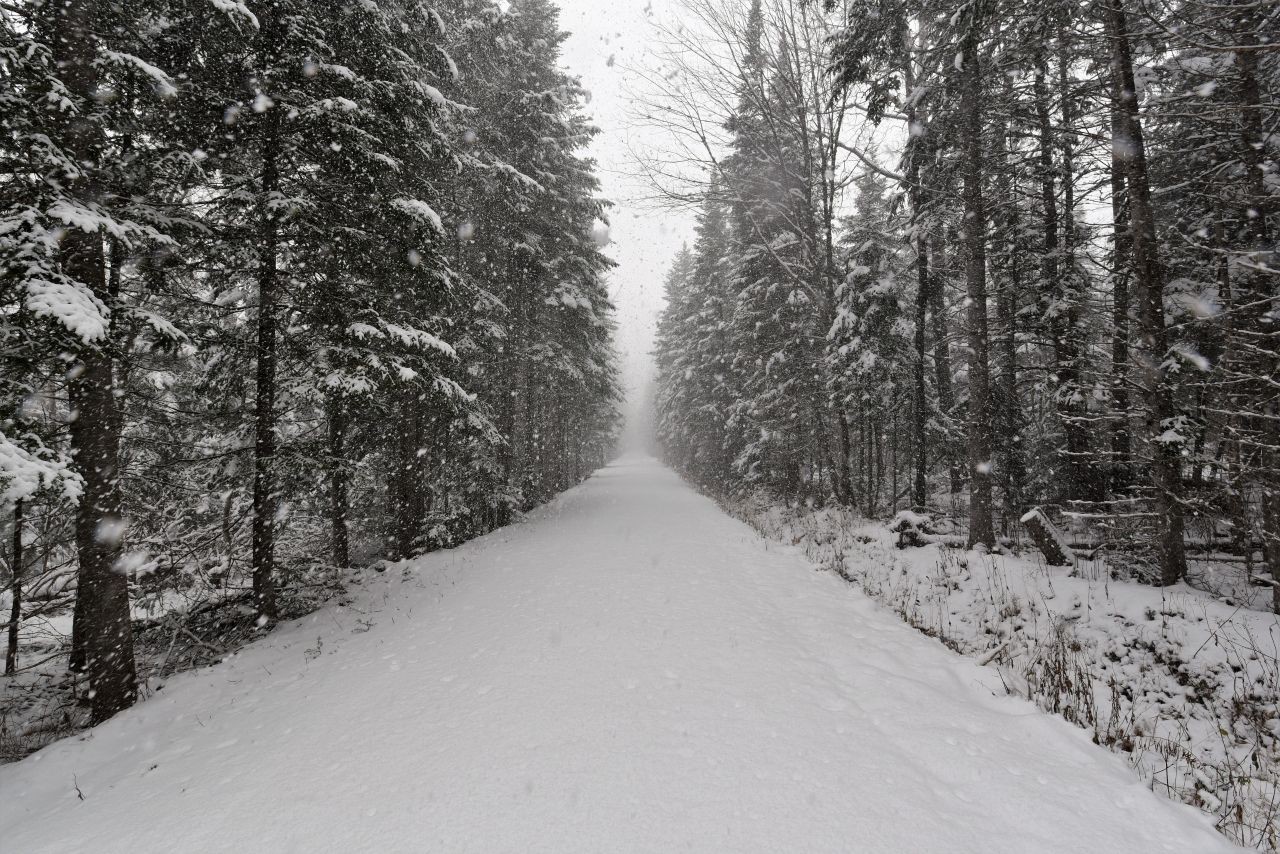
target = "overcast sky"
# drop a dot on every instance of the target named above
(607, 38)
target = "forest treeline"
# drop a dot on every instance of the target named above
(1023, 253)
(284, 284)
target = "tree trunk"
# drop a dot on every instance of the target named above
(1064, 309)
(532, 435)
(920, 417)
(1050, 273)
(102, 642)
(1271, 533)
(942, 373)
(844, 473)
(915, 155)
(102, 595)
(1121, 260)
(981, 529)
(409, 498)
(15, 590)
(1005, 399)
(1148, 280)
(877, 441)
(339, 499)
(1252, 140)
(506, 424)
(1088, 475)
(265, 499)
(1257, 205)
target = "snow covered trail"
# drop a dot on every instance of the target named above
(627, 670)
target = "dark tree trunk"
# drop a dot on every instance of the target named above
(981, 528)
(1121, 260)
(844, 473)
(506, 428)
(893, 465)
(1057, 269)
(1005, 398)
(915, 157)
(102, 595)
(265, 499)
(920, 416)
(102, 643)
(1148, 280)
(877, 440)
(1050, 273)
(15, 590)
(1252, 140)
(942, 373)
(1257, 204)
(265, 496)
(1089, 476)
(532, 435)
(514, 422)
(409, 496)
(339, 487)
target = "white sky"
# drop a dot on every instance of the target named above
(606, 39)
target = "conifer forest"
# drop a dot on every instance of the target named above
(1052, 283)
(285, 286)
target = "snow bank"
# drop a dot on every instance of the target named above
(1184, 685)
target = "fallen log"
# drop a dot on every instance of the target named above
(1048, 539)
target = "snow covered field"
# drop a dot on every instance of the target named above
(628, 670)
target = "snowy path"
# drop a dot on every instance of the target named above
(629, 670)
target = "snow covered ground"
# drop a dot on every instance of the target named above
(1183, 682)
(627, 670)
